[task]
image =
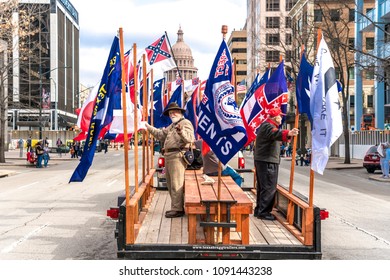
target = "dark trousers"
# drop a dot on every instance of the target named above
(267, 179)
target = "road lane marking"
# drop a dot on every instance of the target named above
(24, 238)
(113, 182)
(26, 186)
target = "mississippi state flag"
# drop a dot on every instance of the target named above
(219, 121)
(250, 108)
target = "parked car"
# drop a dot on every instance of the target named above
(371, 160)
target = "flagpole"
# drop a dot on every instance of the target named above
(151, 120)
(126, 150)
(311, 189)
(224, 31)
(170, 46)
(290, 209)
(145, 115)
(235, 80)
(135, 118)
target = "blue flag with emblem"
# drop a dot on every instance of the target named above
(108, 94)
(219, 121)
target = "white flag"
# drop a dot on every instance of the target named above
(325, 108)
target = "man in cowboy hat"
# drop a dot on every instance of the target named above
(177, 137)
(267, 160)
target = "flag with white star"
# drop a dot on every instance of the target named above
(271, 94)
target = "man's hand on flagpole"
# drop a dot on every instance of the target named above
(293, 132)
(143, 125)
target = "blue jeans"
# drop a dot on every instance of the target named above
(385, 166)
(229, 171)
(39, 160)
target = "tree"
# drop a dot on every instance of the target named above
(338, 28)
(17, 54)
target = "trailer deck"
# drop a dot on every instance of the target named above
(156, 229)
(143, 231)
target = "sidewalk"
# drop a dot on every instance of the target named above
(338, 163)
(13, 160)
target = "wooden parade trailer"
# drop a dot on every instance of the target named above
(143, 232)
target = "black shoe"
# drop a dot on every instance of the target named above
(174, 214)
(268, 217)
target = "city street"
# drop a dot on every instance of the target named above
(44, 217)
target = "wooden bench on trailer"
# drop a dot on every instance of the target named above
(201, 200)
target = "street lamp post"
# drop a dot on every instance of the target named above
(41, 97)
(55, 106)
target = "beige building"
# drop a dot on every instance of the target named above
(238, 46)
(269, 35)
(337, 22)
(184, 60)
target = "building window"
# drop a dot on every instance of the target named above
(288, 39)
(290, 4)
(351, 73)
(387, 32)
(239, 50)
(273, 39)
(272, 56)
(288, 22)
(369, 74)
(370, 43)
(272, 22)
(370, 101)
(334, 15)
(352, 100)
(288, 56)
(317, 15)
(272, 5)
(351, 17)
(351, 44)
(338, 72)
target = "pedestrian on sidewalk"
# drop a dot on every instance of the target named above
(384, 155)
(20, 143)
(39, 153)
(59, 146)
(46, 155)
(28, 144)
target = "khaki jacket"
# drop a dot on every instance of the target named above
(171, 138)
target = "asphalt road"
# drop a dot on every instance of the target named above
(44, 217)
(357, 228)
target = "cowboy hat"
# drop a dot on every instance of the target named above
(172, 106)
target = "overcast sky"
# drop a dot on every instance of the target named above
(144, 21)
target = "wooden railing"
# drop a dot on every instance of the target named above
(137, 208)
(302, 228)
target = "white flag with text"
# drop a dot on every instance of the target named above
(325, 108)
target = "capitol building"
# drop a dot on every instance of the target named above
(183, 56)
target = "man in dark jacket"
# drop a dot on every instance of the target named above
(267, 160)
